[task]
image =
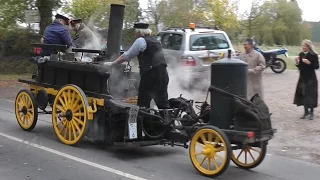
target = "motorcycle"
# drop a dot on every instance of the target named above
(277, 65)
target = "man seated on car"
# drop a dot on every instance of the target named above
(84, 37)
(56, 33)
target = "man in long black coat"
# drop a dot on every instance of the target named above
(307, 88)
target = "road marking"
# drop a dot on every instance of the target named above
(99, 166)
(10, 100)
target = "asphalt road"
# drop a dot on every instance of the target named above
(38, 155)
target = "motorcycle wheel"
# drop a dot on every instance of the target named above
(279, 68)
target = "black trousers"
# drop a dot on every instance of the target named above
(154, 85)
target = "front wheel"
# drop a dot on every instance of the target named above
(210, 151)
(248, 157)
(278, 66)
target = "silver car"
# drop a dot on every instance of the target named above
(190, 52)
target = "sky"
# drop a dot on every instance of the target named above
(309, 8)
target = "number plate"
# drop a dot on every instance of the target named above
(132, 122)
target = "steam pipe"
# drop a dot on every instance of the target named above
(115, 30)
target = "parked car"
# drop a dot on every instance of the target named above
(192, 50)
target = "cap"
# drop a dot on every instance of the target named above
(141, 26)
(59, 16)
(73, 21)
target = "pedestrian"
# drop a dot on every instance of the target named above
(84, 37)
(153, 68)
(307, 88)
(56, 33)
(256, 64)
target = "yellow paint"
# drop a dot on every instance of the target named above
(247, 152)
(26, 121)
(206, 140)
(99, 102)
(92, 111)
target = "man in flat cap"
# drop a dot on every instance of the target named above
(153, 67)
(84, 37)
(56, 33)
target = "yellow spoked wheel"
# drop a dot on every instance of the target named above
(249, 157)
(210, 151)
(26, 110)
(69, 114)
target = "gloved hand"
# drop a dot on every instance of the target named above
(108, 63)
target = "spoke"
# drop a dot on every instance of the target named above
(60, 108)
(63, 126)
(78, 114)
(61, 102)
(76, 102)
(217, 140)
(66, 130)
(70, 131)
(197, 154)
(64, 95)
(73, 96)
(20, 103)
(215, 163)
(203, 138)
(30, 115)
(23, 101)
(73, 130)
(78, 120)
(245, 157)
(210, 138)
(255, 150)
(77, 108)
(252, 156)
(221, 148)
(69, 97)
(204, 158)
(76, 125)
(23, 119)
(240, 154)
(209, 164)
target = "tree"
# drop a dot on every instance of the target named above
(45, 8)
(12, 12)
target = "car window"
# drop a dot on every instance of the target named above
(199, 42)
(171, 41)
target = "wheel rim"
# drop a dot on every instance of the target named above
(69, 115)
(248, 156)
(211, 156)
(24, 108)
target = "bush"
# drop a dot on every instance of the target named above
(17, 42)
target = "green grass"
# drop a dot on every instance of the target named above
(12, 77)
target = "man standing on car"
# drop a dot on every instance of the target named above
(56, 33)
(256, 64)
(153, 68)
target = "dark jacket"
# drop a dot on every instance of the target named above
(55, 33)
(307, 87)
(152, 57)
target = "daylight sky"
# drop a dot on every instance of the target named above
(310, 8)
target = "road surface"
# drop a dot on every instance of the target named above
(38, 155)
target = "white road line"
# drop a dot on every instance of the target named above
(99, 166)
(10, 100)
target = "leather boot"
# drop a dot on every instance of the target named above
(311, 116)
(306, 113)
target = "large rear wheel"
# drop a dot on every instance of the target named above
(70, 114)
(210, 151)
